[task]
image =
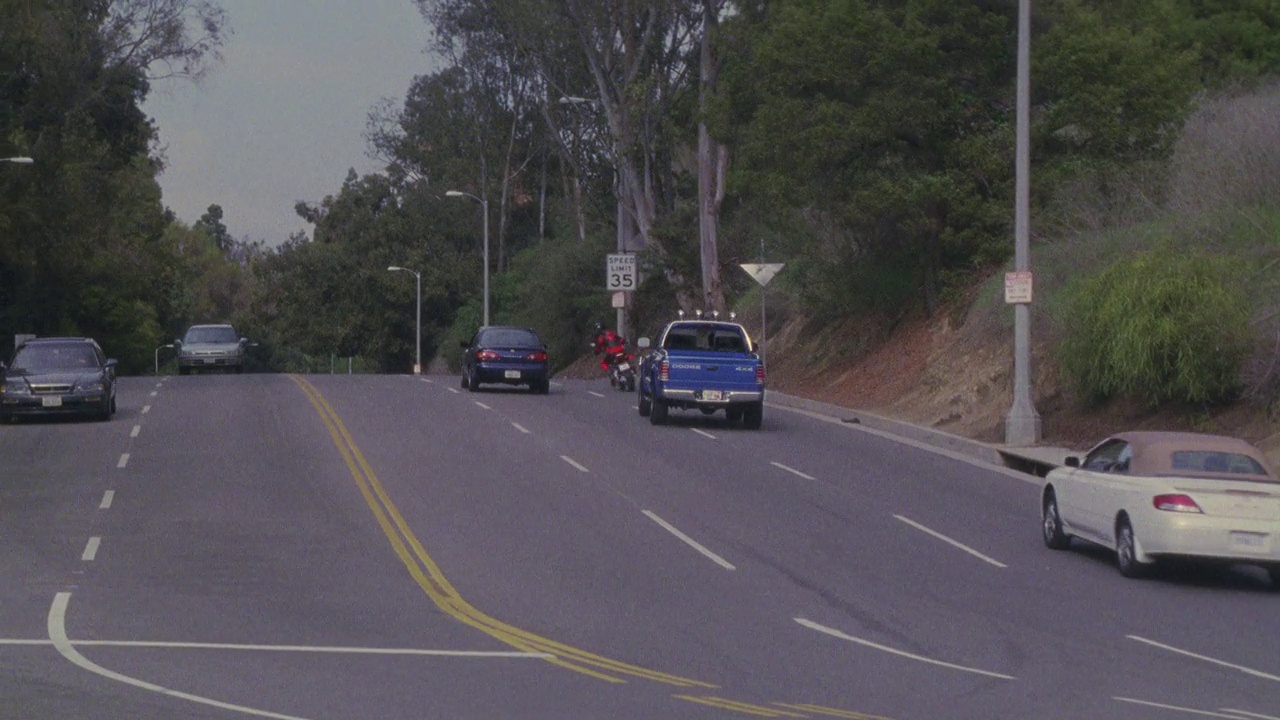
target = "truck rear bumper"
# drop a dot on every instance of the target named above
(727, 397)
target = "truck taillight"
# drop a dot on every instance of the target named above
(664, 371)
(760, 373)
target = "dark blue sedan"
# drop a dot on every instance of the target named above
(506, 355)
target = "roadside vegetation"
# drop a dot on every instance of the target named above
(868, 144)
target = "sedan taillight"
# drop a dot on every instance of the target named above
(664, 371)
(537, 356)
(1176, 503)
(487, 356)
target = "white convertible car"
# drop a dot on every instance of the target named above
(1151, 495)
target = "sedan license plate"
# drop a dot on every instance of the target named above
(713, 395)
(1251, 542)
(512, 374)
(51, 401)
(208, 361)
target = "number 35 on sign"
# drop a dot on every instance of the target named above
(620, 272)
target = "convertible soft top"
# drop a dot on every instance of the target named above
(1196, 455)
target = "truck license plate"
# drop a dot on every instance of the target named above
(51, 401)
(512, 374)
(713, 395)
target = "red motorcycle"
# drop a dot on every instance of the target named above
(617, 363)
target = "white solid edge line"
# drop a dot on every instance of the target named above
(952, 454)
(58, 634)
(486, 407)
(574, 463)
(521, 428)
(107, 498)
(1206, 658)
(1247, 714)
(949, 541)
(134, 432)
(593, 392)
(689, 541)
(837, 634)
(1178, 708)
(455, 391)
(91, 549)
(124, 460)
(146, 409)
(502, 654)
(793, 471)
(704, 433)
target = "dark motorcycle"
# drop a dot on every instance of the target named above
(622, 371)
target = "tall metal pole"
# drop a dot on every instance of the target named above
(763, 332)
(417, 366)
(484, 204)
(1022, 425)
(624, 227)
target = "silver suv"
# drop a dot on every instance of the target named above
(211, 347)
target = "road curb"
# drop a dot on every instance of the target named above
(1032, 460)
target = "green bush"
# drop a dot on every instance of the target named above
(1162, 327)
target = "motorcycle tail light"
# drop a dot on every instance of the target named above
(664, 371)
(486, 355)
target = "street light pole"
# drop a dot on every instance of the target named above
(1022, 425)
(157, 354)
(417, 365)
(484, 205)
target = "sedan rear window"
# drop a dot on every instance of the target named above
(1216, 462)
(512, 337)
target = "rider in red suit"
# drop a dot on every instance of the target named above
(609, 345)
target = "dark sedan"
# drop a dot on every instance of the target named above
(507, 355)
(58, 376)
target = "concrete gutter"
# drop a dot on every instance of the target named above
(1035, 460)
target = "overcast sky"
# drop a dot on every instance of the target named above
(282, 118)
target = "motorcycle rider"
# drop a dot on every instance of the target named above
(610, 345)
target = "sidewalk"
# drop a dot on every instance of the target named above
(1036, 460)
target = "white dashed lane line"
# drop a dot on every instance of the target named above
(146, 409)
(91, 549)
(107, 498)
(521, 428)
(455, 391)
(593, 392)
(124, 460)
(949, 541)
(689, 541)
(153, 393)
(574, 463)
(482, 405)
(793, 471)
(1206, 658)
(136, 429)
(704, 433)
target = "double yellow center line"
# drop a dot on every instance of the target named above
(432, 581)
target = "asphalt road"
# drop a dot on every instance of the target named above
(341, 547)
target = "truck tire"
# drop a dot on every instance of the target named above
(643, 404)
(658, 412)
(753, 416)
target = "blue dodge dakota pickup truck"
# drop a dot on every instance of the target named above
(705, 365)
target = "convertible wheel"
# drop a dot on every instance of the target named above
(1127, 552)
(753, 416)
(1054, 537)
(1274, 572)
(113, 404)
(658, 413)
(643, 404)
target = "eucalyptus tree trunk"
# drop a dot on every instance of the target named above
(713, 163)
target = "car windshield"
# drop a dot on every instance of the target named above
(198, 335)
(1216, 461)
(509, 336)
(55, 357)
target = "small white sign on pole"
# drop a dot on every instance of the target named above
(621, 272)
(1017, 287)
(619, 299)
(762, 272)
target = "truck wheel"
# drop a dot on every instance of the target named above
(658, 413)
(733, 415)
(643, 404)
(753, 416)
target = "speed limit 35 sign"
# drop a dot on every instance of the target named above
(621, 272)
